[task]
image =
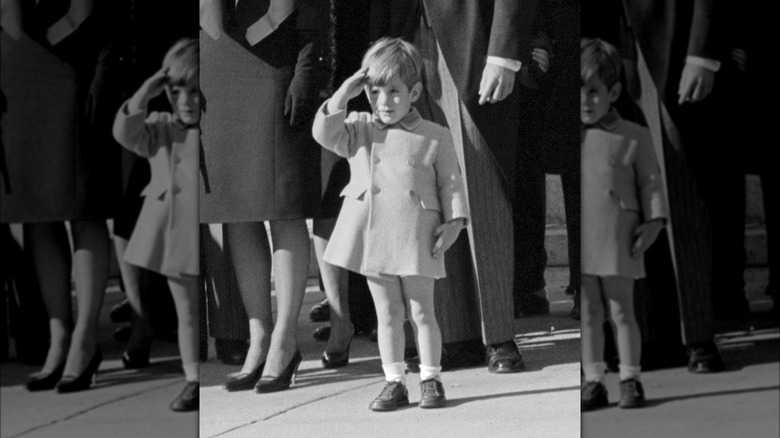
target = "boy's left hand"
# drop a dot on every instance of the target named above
(645, 236)
(448, 234)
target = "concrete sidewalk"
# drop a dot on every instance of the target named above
(541, 402)
(743, 401)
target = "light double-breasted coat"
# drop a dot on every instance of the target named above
(405, 180)
(165, 238)
(621, 186)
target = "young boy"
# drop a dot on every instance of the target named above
(405, 182)
(165, 239)
(623, 210)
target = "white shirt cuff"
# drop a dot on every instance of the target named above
(511, 64)
(709, 64)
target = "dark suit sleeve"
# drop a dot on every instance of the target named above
(512, 29)
(702, 42)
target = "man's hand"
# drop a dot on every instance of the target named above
(542, 59)
(448, 234)
(645, 235)
(150, 89)
(497, 83)
(695, 84)
(350, 89)
(740, 57)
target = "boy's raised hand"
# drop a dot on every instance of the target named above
(150, 89)
(447, 233)
(645, 236)
(351, 88)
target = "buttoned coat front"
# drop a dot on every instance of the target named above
(165, 238)
(405, 180)
(621, 188)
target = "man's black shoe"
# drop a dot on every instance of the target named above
(504, 357)
(705, 358)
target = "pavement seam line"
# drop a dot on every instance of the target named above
(88, 410)
(308, 402)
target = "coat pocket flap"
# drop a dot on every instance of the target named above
(353, 191)
(430, 202)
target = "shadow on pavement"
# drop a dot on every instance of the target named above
(659, 401)
(459, 401)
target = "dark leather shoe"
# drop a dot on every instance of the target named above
(85, 379)
(393, 396)
(189, 399)
(432, 394)
(337, 359)
(531, 304)
(504, 358)
(284, 380)
(122, 312)
(320, 312)
(135, 359)
(45, 381)
(593, 396)
(632, 395)
(244, 381)
(705, 358)
(231, 351)
(321, 334)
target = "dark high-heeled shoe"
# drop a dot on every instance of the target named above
(85, 379)
(283, 381)
(135, 359)
(244, 381)
(45, 381)
(337, 359)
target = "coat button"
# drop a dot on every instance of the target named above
(375, 190)
(176, 160)
(412, 193)
(377, 160)
(176, 190)
(412, 162)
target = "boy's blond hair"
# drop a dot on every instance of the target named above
(393, 57)
(600, 59)
(182, 61)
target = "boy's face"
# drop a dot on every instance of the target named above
(392, 101)
(596, 100)
(185, 100)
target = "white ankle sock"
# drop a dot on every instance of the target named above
(629, 372)
(395, 372)
(430, 372)
(594, 372)
(191, 371)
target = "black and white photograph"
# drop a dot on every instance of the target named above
(678, 205)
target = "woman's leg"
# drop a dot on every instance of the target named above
(390, 313)
(593, 314)
(291, 268)
(419, 298)
(141, 334)
(91, 250)
(185, 297)
(50, 250)
(251, 257)
(335, 282)
(620, 293)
